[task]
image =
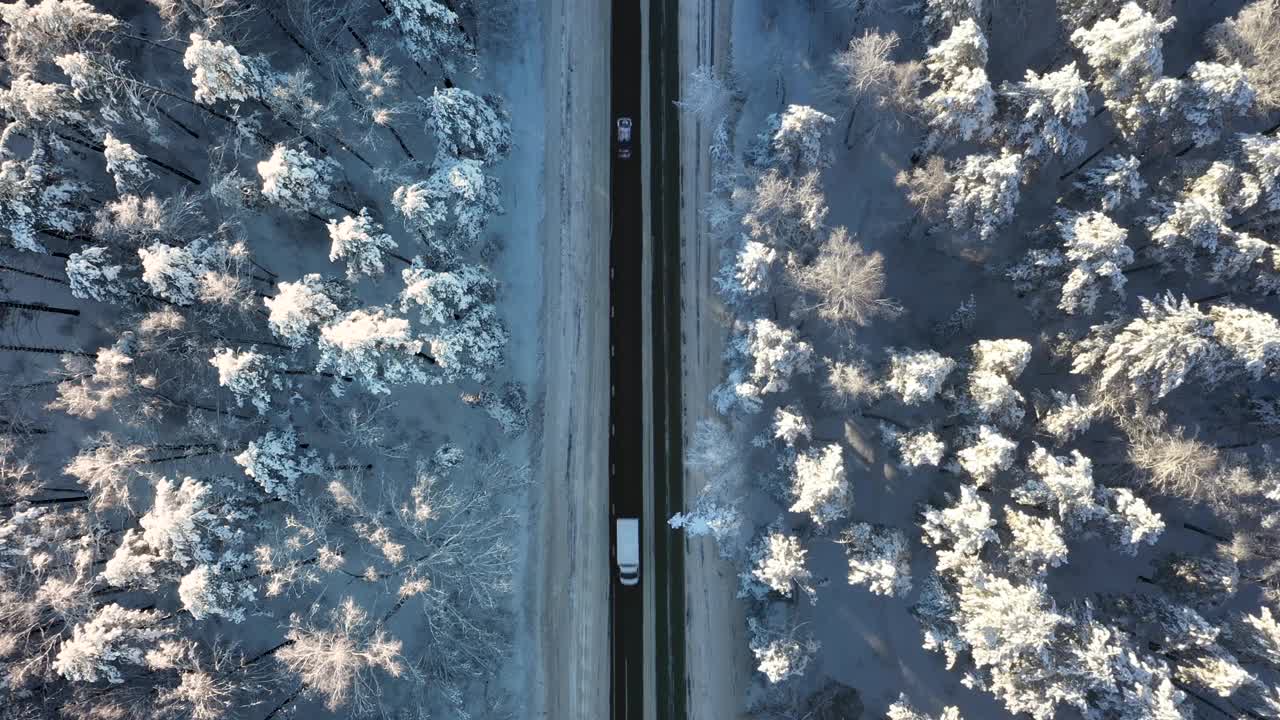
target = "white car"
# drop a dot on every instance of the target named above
(624, 137)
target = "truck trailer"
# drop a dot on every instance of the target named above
(628, 551)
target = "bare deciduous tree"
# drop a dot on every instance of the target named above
(339, 660)
(845, 283)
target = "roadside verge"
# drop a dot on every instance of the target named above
(715, 636)
(571, 610)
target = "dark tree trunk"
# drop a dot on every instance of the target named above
(28, 273)
(48, 350)
(40, 308)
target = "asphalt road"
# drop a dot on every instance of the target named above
(626, 337)
(627, 447)
(670, 685)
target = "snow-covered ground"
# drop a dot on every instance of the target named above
(417, 419)
(518, 75)
(570, 554)
(716, 656)
(779, 51)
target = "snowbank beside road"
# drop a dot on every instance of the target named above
(570, 557)
(717, 659)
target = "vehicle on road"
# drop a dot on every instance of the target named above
(624, 137)
(628, 551)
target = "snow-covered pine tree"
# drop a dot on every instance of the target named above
(277, 461)
(819, 486)
(430, 32)
(879, 558)
(300, 308)
(463, 333)
(1048, 112)
(297, 181)
(777, 563)
(468, 126)
(1126, 55)
(961, 105)
(792, 141)
(249, 375)
(361, 242)
(373, 346)
(452, 207)
(916, 376)
(984, 193)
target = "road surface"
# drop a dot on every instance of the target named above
(631, 444)
(626, 338)
(670, 687)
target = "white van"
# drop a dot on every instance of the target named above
(628, 551)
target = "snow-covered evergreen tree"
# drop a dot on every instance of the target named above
(175, 273)
(750, 274)
(916, 376)
(1095, 246)
(780, 653)
(1049, 110)
(452, 207)
(1260, 154)
(990, 393)
(1250, 339)
(960, 532)
(213, 590)
(94, 275)
(962, 103)
(468, 126)
(295, 180)
(186, 527)
(818, 484)
(1062, 485)
(1131, 523)
(790, 425)
(40, 31)
(300, 308)
(463, 333)
(374, 347)
(792, 141)
(249, 375)
(878, 558)
(1114, 181)
(1036, 543)
(277, 461)
(917, 448)
(37, 195)
(430, 32)
(985, 191)
(361, 242)
(988, 453)
(221, 74)
(127, 166)
(1155, 353)
(1127, 57)
(770, 355)
(1066, 417)
(1210, 94)
(777, 563)
(114, 637)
